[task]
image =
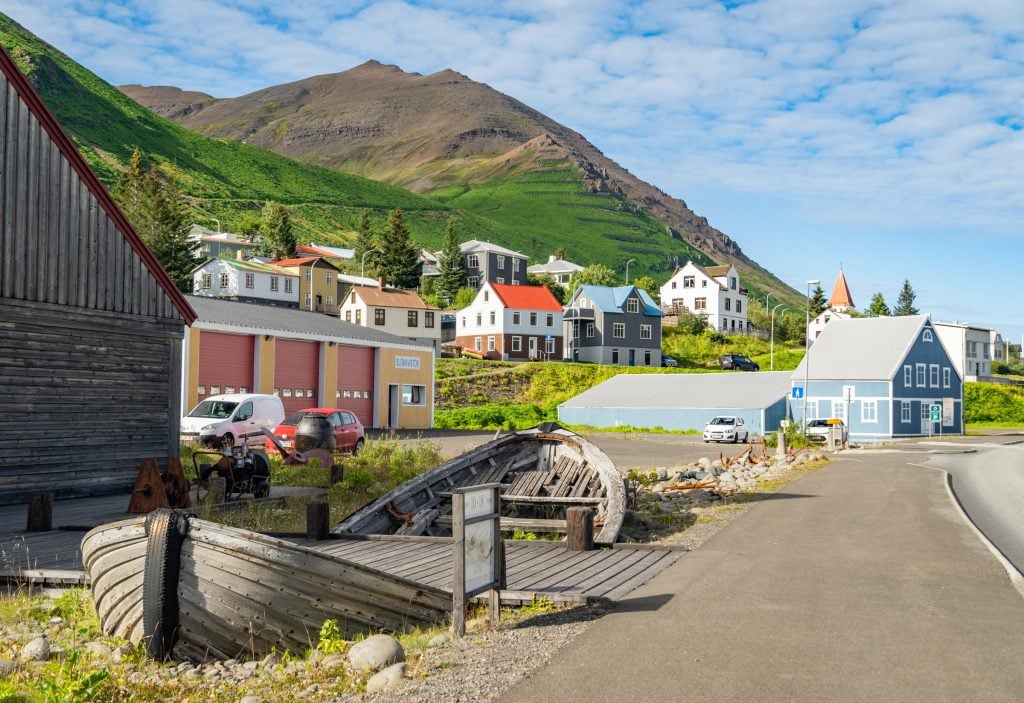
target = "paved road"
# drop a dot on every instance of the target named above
(861, 582)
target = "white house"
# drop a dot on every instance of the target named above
(559, 269)
(838, 305)
(712, 291)
(508, 321)
(817, 325)
(247, 281)
(971, 348)
(400, 312)
(210, 244)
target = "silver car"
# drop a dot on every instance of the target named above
(726, 428)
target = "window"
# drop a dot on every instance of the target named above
(516, 263)
(224, 280)
(250, 280)
(479, 319)
(487, 296)
(925, 411)
(590, 329)
(309, 275)
(329, 278)
(904, 411)
(673, 285)
(615, 356)
(549, 345)
(501, 261)
(378, 316)
(645, 331)
(414, 395)
(477, 343)
(516, 317)
(689, 282)
(926, 336)
(492, 317)
(533, 319)
(473, 281)
(348, 316)
(700, 303)
(933, 375)
(647, 357)
(414, 318)
(908, 376)
(207, 281)
(309, 300)
(619, 330)
(732, 283)
(869, 411)
(517, 344)
(274, 282)
(472, 261)
(499, 279)
(739, 306)
(839, 409)
(812, 409)
(515, 281)
(330, 300)
(633, 305)
(463, 320)
(490, 343)
(920, 375)
(575, 330)
(359, 317)
(549, 320)
(287, 285)
(428, 320)
(728, 304)
(946, 377)
(704, 283)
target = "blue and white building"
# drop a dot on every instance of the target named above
(881, 375)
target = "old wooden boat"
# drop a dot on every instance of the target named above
(196, 590)
(543, 472)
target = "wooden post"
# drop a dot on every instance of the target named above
(459, 566)
(318, 519)
(40, 513)
(579, 529)
(337, 473)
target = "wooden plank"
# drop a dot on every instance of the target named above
(642, 573)
(604, 564)
(570, 562)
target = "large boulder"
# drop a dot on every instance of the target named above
(386, 679)
(38, 650)
(375, 653)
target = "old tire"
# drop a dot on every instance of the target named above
(165, 530)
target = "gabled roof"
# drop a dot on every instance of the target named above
(610, 299)
(249, 266)
(526, 297)
(841, 293)
(304, 261)
(476, 245)
(320, 250)
(77, 162)
(715, 391)
(267, 318)
(717, 271)
(862, 348)
(554, 266)
(390, 298)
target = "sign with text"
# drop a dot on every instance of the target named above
(407, 362)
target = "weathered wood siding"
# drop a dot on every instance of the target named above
(90, 343)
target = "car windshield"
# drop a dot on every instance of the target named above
(219, 409)
(740, 357)
(294, 418)
(723, 421)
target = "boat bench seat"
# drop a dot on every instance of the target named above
(518, 523)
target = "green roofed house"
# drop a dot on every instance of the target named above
(605, 325)
(246, 281)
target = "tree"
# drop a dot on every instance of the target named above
(159, 215)
(250, 225)
(878, 308)
(593, 275)
(366, 240)
(277, 239)
(465, 297)
(561, 253)
(818, 303)
(648, 284)
(543, 279)
(399, 259)
(693, 323)
(905, 303)
(451, 267)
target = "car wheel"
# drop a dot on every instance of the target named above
(359, 446)
(228, 439)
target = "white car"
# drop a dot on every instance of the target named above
(817, 430)
(726, 428)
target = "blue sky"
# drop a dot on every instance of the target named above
(884, 136)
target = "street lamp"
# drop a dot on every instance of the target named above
(767, 295)
(807, 347)
(627, 270)
(772, 354)
(217, 221)
(362, 265)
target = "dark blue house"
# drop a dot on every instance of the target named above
(881, 375)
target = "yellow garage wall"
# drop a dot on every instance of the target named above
(409, 416)
(192, 373)
(328, 390)
(265, 353)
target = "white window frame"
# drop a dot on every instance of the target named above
(224, 280)
(517, 343)
(811, 409)
(908, 375)
(330, 278)
(492, 317)
(549, 319)
(330, 300)
(472, 261)
(490, 343)
(478, 343)
(905, 412)
(922, 375)
(516, 317)
(739, 306)
(689, 282)
(645, 332)
(533, 319)
(839, 409)
(501, 262)
(207, 282)
(549, 345)
(275, 283)
(728, 304)
(633, 305)
(250, 280)
(499, 279)
(619, 330)
(309, 275)
(516, 263)
(414, 394)
(700, 303)
(869, 411)
(933, 375)
(926, 336)
(926, 413)
(288, 288)
(947, 374)
(479, 319)
(590, 329)
(309, 300)
(473, 281)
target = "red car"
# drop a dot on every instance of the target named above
(348, 431)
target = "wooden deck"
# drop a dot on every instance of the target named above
(542, 568)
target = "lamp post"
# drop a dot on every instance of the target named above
(362, 265)
(807, 346)
(767, 295)
(627, 270)
(772, 346)
(217, 221)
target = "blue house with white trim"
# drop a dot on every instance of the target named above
(881, 375)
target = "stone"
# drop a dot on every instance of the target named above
(386, 679)
(662, 473)
(333, 661)
(7, 667)
(98, 650)
(38, 650)
(250, 699)
(271, 660)
(704, 463)
(118, 654)
(375, 653)
(441, 640)
(251, 666)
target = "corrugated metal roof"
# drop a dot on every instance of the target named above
(391, 298)
(611, 299)
(556, 266)
(728, 390)
(254, 266)
(526, 297)
(477, 245)
(247, 316)
(862, 348)
(717, 271)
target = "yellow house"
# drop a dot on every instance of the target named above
(318, 283)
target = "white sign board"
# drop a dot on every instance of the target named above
(479, 551)
(407, 362)
(947, 411)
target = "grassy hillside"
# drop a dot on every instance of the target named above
(993, 404)
(221, 178)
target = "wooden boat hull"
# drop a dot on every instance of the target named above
(544, 471)
(238, 593)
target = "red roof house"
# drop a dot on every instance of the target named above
(511, 322)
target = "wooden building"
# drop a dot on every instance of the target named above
(91, 326)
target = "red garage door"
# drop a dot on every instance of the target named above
(296, 373)
(355, 382)
(225, 363)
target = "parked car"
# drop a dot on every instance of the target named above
(227, 418)
(738, 362)
(817, 429)
(726, 428)
(668, 361)
(348, 431)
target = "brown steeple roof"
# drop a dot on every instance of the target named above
(841, 297)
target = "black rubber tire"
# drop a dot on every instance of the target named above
(228, 438)
(359, 446)
(165, 530)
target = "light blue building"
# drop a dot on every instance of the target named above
(682, 401)
(881, 375)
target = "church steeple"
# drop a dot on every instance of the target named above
(841, 299)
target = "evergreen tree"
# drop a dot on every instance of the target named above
(593, 275)
(878, 308)
(277, 238)
(818, 302)
(648, 284)
(399, 259)
(905, 303)
(451, 267)
(560, 253)
(366, 241)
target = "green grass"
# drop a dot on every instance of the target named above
(993, 403)
(704, 350)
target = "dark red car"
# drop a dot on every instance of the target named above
(348, 431)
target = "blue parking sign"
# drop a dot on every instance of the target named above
(798, 391)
